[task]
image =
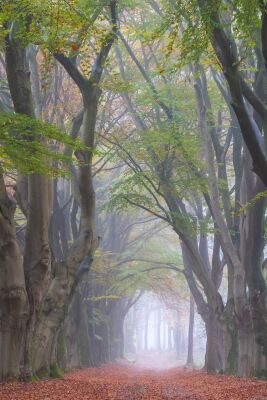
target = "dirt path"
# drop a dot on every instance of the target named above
(128, 382)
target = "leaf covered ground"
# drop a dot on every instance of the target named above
(129, 382)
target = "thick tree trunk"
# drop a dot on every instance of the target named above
(37, 263)
(13, 296)
(117, 316)
(211, 360)
(116, 339)
(190, 348)
(49, 287)
(230, 340)
(13, 286)
(66, 275)
(245, 352)
(45, 285)
(37, 258)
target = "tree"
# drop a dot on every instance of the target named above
(37, 287)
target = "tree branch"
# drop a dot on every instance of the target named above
(101, 58)
(155, 93)
(72, 70)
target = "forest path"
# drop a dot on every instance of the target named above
(123, 381)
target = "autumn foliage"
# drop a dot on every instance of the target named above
(124, 381)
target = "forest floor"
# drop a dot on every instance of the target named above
(126, 381)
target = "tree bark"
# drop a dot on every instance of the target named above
(190, 349)
(13, 295)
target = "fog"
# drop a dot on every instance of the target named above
(156, 335)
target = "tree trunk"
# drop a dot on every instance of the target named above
(190, 349)
(49, 286)
(211, 345)
(169, 346)
(116, 329)
(13, 296)
(176, 337)
(146, 330)
(230, 340)
(158, 330)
